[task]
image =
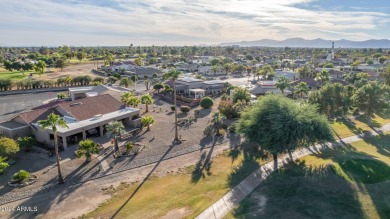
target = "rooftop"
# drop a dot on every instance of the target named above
(189, 79)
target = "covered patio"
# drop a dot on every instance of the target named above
(196, 93)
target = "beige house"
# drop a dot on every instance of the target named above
(85, 118)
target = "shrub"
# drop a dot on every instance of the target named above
(62, 95)
(206, 102)
(129, 146)
(227, 109)
(3, 165)
(196, 112)
(173, 108)
(21, 175)
(222, 132)
(207, 131)
(8, 146)
(185, 109)
(224, 97)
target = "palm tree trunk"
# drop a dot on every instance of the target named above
(147, 108)
(275, 155)
(174, 101)
(60, 178)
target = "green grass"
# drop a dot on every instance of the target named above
(345, 128)
(14, 75)
(194, 188)
(348, 182)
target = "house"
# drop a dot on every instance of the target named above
(291, 76)
(82, 92)
(264, 87)
(84, 117)
(214, 86)
(208, 70)
(121, 66)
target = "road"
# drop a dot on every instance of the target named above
(11, 105)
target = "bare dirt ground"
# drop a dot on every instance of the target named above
(73, 70)
(74, 201)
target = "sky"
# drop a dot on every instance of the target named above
(187, 22)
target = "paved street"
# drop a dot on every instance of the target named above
(13, 104)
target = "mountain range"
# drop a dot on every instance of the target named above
(316, 43)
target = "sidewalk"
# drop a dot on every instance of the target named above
(231, 199)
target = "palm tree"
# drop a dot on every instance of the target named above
(173, 75)
(53, 121)
(267, 71)
(133, 101)
(125, 82)
(217, 120)
(87, 148)
(115, 128)
(125, 97)
(147, 121)
(146, 99)
(283, 83)
(302, 88)
(322, 77)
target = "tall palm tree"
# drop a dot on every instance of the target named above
(283, 83)
(217, 120)
(172, 75)
(53, 121)
(146, 99)
(302, 88)
(125, 82)
(115, 129)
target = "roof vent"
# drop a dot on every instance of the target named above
(76, 104)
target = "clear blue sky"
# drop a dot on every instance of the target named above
(188, 22)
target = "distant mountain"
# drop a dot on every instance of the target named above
(316, 43)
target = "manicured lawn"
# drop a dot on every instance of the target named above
(349, 182)
(358, 126)
(14, 75)
(190, 190)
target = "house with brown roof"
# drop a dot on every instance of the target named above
(84, 117)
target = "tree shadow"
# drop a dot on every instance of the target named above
(298, 191)
(203, 166)
(203, 113)
(381, 143)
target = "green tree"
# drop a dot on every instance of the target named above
(40, 67)
(158, 87)
(332, 99)
(81, 55)
(185, 109)
(138, 61)
(323, 77)
(305, 72)
(52, 122)
(283, 83)
(60, 63)
(8, 146)
(112, 79)
(385, 75)
(25, 142)
(125, 82)
(267, 71)
(146, 99)
(372, 98)
(86, 149)
(279, 125)
(206, 102)
(147, 121)
(302, 88)
(241, 94)
(172, 75)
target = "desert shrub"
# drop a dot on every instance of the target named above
(227, 109)
(185, 109)
(222, 132)
(224, 97)
(196, 112)
(206, 102)
(207, 131)
(173, 108)
(21, 175)
(129, 146)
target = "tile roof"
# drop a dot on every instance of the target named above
(80, 109)
(87, 108)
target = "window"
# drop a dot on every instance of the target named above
(51, 136)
